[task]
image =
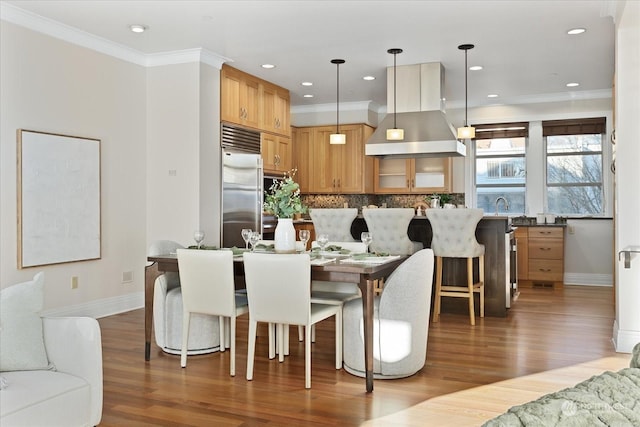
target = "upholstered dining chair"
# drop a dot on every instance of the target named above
(167, 312)
(208, 288)
(401, 322)
(336, 223)
(279, 293)
(389, 229)
(454, 236)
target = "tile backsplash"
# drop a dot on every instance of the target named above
(359, 200)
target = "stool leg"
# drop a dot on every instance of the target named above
(481, 272)
(472, 314)
(436, 300)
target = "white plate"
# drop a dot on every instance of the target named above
(370, 260)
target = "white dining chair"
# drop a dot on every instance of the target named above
(279, 292)
(208, 287)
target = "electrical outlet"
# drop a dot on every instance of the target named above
(127, 276)
(74, 282)
(571, 229)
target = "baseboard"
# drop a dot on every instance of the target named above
(587, 279)
(624, 341)
(100, 308)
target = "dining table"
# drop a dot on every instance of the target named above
(364, 274)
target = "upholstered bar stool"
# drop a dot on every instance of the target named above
(336, 223)
(389, 229)
(454, 236)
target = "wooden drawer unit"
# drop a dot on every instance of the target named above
(544, 261)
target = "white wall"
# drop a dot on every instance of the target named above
(53, 86)
(626, 330)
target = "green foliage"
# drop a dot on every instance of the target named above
(283, 199)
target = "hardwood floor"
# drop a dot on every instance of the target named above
(545, 329)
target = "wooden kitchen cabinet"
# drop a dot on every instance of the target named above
(544, 257)
(419, 175)
(306, 225)
(522, 244)
(340, 169)
(276, 153)
(240, 97)
(301, 153)
(275, 109)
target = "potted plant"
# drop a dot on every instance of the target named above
(283, 201)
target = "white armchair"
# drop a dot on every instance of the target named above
(204, 334)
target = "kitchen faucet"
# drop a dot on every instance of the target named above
(506, 204)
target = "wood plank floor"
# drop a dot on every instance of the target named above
(546, 329)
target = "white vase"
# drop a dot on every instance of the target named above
(285, 236)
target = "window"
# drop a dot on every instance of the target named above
(574, 166)
(500, 166)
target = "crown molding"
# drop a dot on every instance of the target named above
(73, 35)
(344, 106)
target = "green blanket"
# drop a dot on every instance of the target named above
(609, 399)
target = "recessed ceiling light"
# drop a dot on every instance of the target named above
(137, 28)
(268, 66)
(476, 68)
(492, 95)
(573, 84)
(575, 31)
(368, 78)
(308, 95)
(306, 84)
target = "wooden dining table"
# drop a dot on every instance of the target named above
(364, 275)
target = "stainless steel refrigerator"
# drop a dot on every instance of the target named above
(242, 181)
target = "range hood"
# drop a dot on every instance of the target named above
(420, 112)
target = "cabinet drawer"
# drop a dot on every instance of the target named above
(546, 269)
(546, 232)
(545, 249)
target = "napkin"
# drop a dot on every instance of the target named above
(322, 261)
(203, 247)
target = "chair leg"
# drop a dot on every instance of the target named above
(481, 272)
(272, 340)
(251, 348)
(339, 339)
(300, 333)
(286, 340)
(436, 300)
(313, 333)
(221, 323)
(232, 344)
(280, 341)
(186, 319)
(307, 356)
(472, 313)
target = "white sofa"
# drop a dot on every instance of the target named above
(50, 367)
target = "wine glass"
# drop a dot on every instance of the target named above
(322, 240)
(246, 233)
(254, 238)
(198, 236)
(366, 238)
(304, 236)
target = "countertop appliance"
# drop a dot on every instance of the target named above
(242, 180)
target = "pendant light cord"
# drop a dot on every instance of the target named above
(338, 98)
(465, 87)
(395, 92)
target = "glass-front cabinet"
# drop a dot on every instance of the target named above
(419, 175)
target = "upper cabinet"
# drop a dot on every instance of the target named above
(276, 153)
(419, 175)
(240, 97)
(275, 109)
(336, 169)
(249, 101)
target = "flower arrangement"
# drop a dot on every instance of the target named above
(283, 199)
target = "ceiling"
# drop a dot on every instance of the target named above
(523, 46)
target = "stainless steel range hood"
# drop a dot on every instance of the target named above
(420, 112)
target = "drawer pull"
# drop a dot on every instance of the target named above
(545, 270)
(545, 249)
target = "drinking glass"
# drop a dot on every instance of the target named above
(322, 240)
(304, 237)
(366, 238)
(254, 238)
(246, 233)
(198, 236)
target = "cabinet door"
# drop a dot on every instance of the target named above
(350, 161)
(275, 110)
(431, 175)
(522, 240)
(323, 161)
(301, 147)
(240, 98)
(392, 175)
(276, 153)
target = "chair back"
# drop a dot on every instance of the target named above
(207, 282)
(355, 247)
(278, 287)
(389, 229)
(165, 247)
(334, 222)
(454, 232)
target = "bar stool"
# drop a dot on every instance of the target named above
(454, 236)
(334, 222)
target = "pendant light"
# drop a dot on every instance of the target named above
(394, 134)
(466, 132)
(337, 138)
